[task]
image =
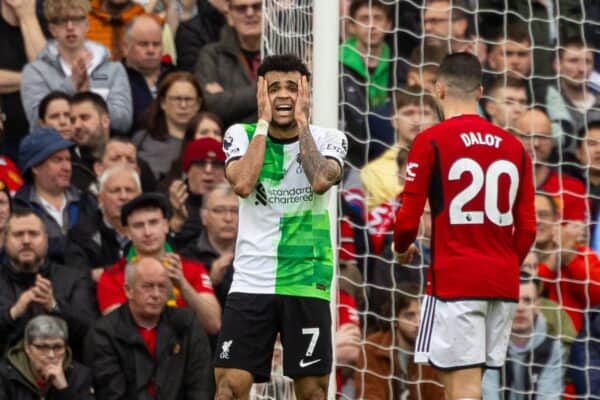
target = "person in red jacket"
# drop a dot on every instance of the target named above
(479, 182)
(571, 272)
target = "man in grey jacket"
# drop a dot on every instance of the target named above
(72, 64)
(534, 360)
(226, 70)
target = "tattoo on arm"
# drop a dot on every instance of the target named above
(313, 162)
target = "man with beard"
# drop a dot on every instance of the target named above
(91, 125)
(378, 358)
(31, 285)
(96, 150)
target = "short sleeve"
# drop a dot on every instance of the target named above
(333, 144)
(235, 142)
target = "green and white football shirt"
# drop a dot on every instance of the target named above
(284, 241)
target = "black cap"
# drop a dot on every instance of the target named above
(146, 200)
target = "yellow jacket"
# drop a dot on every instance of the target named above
(380, 178)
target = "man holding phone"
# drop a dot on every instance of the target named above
(203, 165)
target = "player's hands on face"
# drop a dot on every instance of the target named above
(262, 100)
(172, 263)
(302, 107)
(408, 256)
(55, 375)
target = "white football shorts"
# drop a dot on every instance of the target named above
(464, 333)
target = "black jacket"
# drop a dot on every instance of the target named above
(201, 250)
(17, 382)
(197, 32)
(122, 366)
(92, 244)
(192, 227)
(73, 293)
(354, 114)
(223, 62)
(82, 166)
(141, 94)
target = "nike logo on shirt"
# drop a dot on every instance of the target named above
(304, 364)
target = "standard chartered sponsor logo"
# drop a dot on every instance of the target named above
(290, 195)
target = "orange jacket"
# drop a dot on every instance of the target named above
(108, 29)
(378, 362)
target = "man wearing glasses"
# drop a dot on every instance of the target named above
(41, 366)
(226, 70)
(216, 244)
(71, 64)
(203, 166)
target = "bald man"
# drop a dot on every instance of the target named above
(145, 349)
(534, 129)
(142, 48)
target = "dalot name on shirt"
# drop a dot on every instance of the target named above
(476, 138)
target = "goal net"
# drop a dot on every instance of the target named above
(537, 54)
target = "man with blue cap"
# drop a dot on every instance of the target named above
(45, 162)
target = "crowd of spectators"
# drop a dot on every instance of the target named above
(112, 115)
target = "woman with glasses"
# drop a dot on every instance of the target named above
(177, 102)
(40, 367)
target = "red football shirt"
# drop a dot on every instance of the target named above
(111, 291)
(569, 194)
(479, 182)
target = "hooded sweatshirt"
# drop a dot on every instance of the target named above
(549, 380)
(378, 79)
(18, 381)
(108, 79)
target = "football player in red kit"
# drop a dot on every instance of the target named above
(478, 179)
